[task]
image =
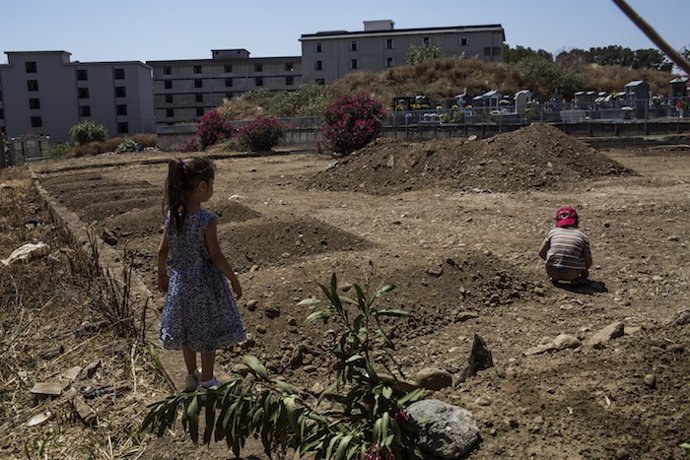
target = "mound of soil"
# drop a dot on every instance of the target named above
(537, 156)
(271, 242)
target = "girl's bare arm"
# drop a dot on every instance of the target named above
(162, 264)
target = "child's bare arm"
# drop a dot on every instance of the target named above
(542, 251)
(162, 264)
(219, 259)
(588, 259)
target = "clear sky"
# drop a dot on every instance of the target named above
(114, 30)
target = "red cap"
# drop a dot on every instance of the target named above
(566, 216)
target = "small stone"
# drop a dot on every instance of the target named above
(435, 271)
(84, 411)
(50, 389)
(292, 321)
(261, 329)
(285, 255)
(252, 304)
(482, 401)
(539, 291)
(272, 312)
(254, 268)
(610, 332)
(433, 378)
(650, 380)
(90, 369)
(463, 316)
(563, 341)
(52, 352)
(317, 388)
(39, 418)
(310, 369)
(657, 278)
(109, 237)
(72, 373)
(673, 238)
(539, 349)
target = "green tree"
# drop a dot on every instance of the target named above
(517, 54)
(423, 53)
(87, 131)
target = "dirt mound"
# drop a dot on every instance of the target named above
(537, 156)
(275, 241)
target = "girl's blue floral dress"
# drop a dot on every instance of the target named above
(200, 311)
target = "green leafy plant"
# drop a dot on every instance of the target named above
(128, 145)
(59, 150)
(361, 414)
(351, 122)
(261, 134)
(423, 53)
(686, 448)
(87, 131)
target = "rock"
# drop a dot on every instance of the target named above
(84, 411)
(72, 373)
(433, 378)
(463, 316)
(539, 291)
(683, 317)
(480, 358)
(472, 137)
(310, 369)
(435, 271)
(261, 329)
(482, 401)
(251, 305)
(610, 332)
(272, 312)
(650, 380)
(296, 357)
(317, 388)
(50, 389)
(292, 321)
(90, 370)
(52, 352)
(563, 341)
(254, 268)
(109, 237)
(673, 238)
(539, 349)
(446, 431)
(39, 418)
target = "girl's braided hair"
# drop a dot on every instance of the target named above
(183, 176)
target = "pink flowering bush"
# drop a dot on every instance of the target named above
(212, 128)
(351, 122)
(262, 134)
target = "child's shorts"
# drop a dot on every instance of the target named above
(565, 274)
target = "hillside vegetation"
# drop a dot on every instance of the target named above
(447, 77)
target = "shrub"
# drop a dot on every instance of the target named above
(262, 134)
(367, 416)
(212, 127)
(87, 131)
(146, 139)
(128, 145)
(94, 148)
(351, 122)
(59, 150)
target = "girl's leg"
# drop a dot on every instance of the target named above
(189, 359)
(208, 360)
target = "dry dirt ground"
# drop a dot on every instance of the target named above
(455, 225)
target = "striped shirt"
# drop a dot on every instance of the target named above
(566, 248)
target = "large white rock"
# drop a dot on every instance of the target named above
(446, 431)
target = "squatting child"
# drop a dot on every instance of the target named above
(566, 249)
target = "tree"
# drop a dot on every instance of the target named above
(423, 53)
(517, 54)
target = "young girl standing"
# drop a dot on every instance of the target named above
(200, 314)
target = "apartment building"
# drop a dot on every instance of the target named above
(185, 89)
(43, 93)
(328, 56)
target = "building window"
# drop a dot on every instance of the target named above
(168, 98)
(119, 74)
(197, 69)
(463, 41)
(228, 82)
(496, 50)
(167, 84)
(199, 97)
(228, 68)
(199, 111)
(259, 81)
(34, 103)
(258, 67)
(82, 75)
(389, 43)
(36, 122)
(167, 70)
(389, 62)
(320, 81)
(317, 47)
(353, 63)
(32, 85)
(169, 113)
(289, 66)
(83, 93)
(487, 51)
(30, 67)
(198, 83)
(353, 45)
(84, 110)
(289, 80)
(123, 127)
(121, 109)
(425, 40)
(120, 91)
(318, 65)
